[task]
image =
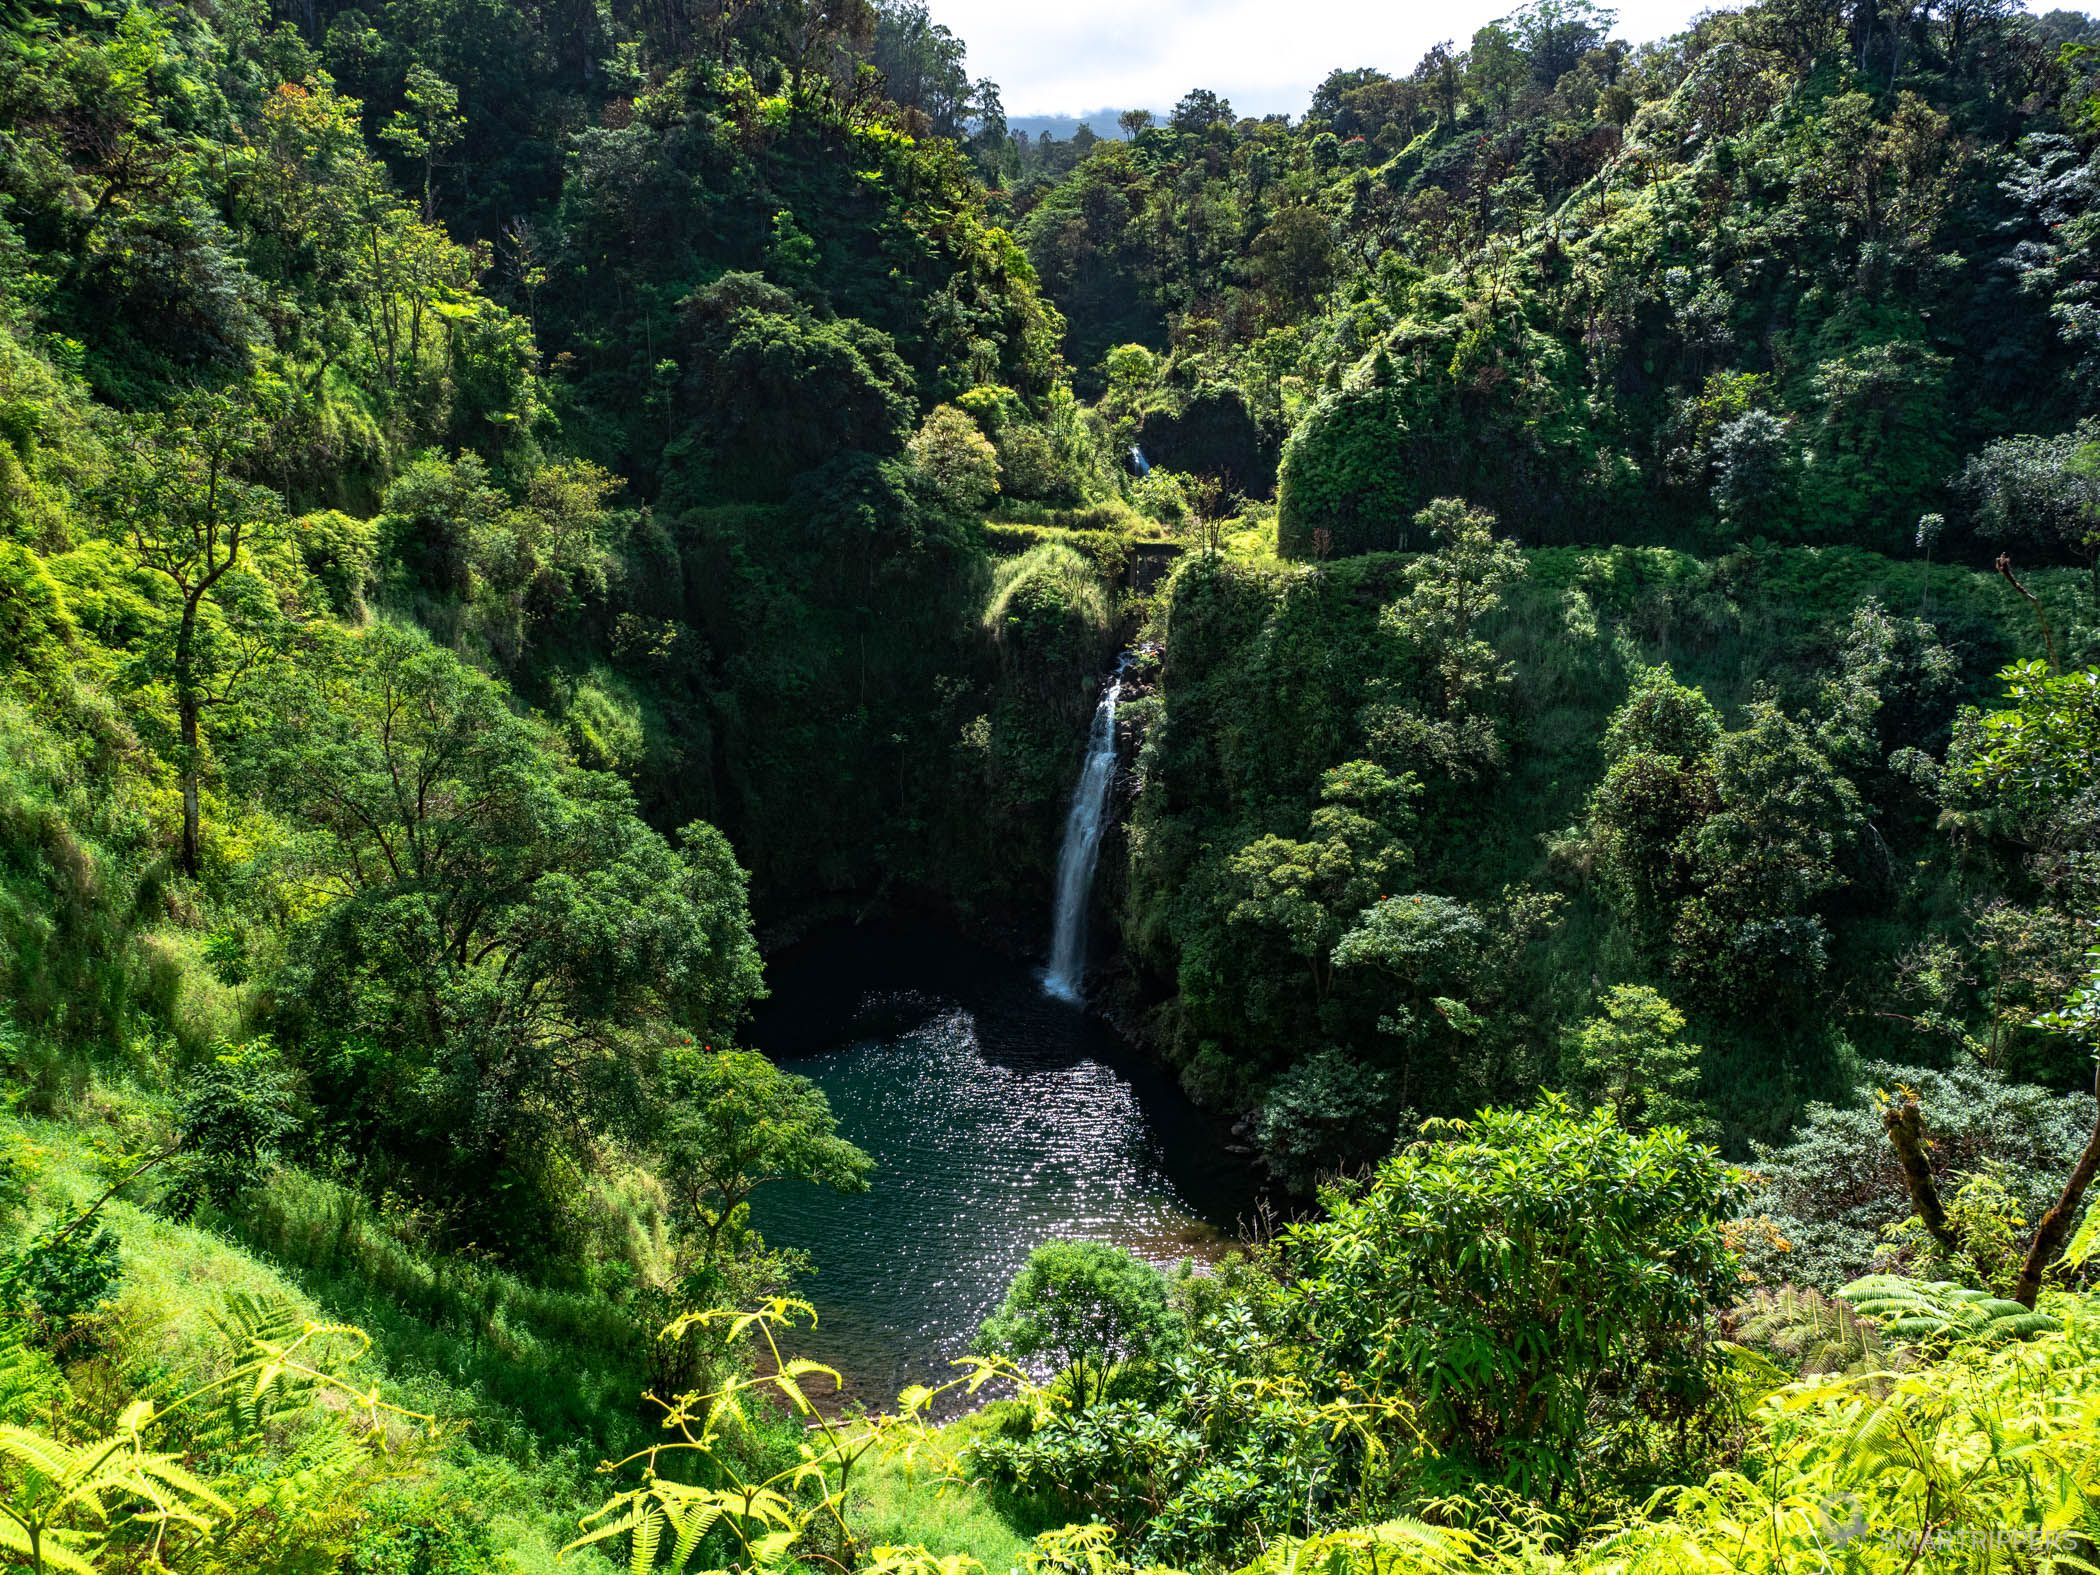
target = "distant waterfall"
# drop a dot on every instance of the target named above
(1084, 823)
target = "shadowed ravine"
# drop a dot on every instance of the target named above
(999, 1118)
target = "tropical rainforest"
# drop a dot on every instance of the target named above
(511, 510)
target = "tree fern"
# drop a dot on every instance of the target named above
(1940, 1313)
(1811, 1332)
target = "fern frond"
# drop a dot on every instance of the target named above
(648, 1534)
(617, 1519)
(164, 1470)
(47, 1457)
(58, 1547)
(2086, 1241)
(1941, 1313)
(692, 1523)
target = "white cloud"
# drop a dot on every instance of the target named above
(1069, 56)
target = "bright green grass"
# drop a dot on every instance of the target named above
(897, 1501)
(177, 1277)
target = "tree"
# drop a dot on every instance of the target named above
(1893, 690)
(732, 1122)
(1083, 1308)
(773, 391)
(1305, 893)
(1556, 34)
(431, 519)
(1534, 1279)
(2037, 753)
(1496, 69)
(1200, 110)
(958, 461)
(923, 66)
(1762, 863)
(1439, 718)
(1295, 258)
(2042, 492)
(1420, 956)
(1657, 790)
(2041, 751)
(1632, 1058)
(475, 988)
(237, 1110)
(1335, 88)
(1753, 472)
(429, 126)
(1903, 1118)
(188, 516)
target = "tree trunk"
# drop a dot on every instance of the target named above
(2056, 1225)
(1906, 1129)
(188, 708)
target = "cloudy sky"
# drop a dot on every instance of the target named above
(1053, 57)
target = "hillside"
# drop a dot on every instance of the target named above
(1580, 564)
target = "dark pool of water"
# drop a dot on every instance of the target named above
(998, 1119)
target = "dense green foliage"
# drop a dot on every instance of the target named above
(500, 506)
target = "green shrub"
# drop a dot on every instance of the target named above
(1345, 472)
(1541, 1283)
(1081, 1309)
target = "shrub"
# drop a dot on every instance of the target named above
(1835, 1186)
(1345, 472)
(1081, 1308)
(1326, 1112)
(1543, 1283)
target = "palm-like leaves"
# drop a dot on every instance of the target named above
(67, 1496)
(1814, 1333)
(1936, 1312)
(65, 1500)
(665, 1522)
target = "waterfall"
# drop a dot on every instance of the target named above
(1138, 462)
(1084, 824)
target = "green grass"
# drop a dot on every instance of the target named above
(899, 1501)
(178, 1277)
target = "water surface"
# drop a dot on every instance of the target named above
(998, 1118)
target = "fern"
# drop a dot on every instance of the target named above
(1814, 1334)
(66, 1500)
(29, 1379)
(1940, 1313)
(65, 1496)
(2086, 1242)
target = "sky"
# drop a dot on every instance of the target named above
(1066, 57)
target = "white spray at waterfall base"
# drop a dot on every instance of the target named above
(1085, 824)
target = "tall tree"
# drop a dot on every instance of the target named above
(188, 516)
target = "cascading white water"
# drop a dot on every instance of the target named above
(1084, 824)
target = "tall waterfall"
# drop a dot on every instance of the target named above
(1084, 824)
